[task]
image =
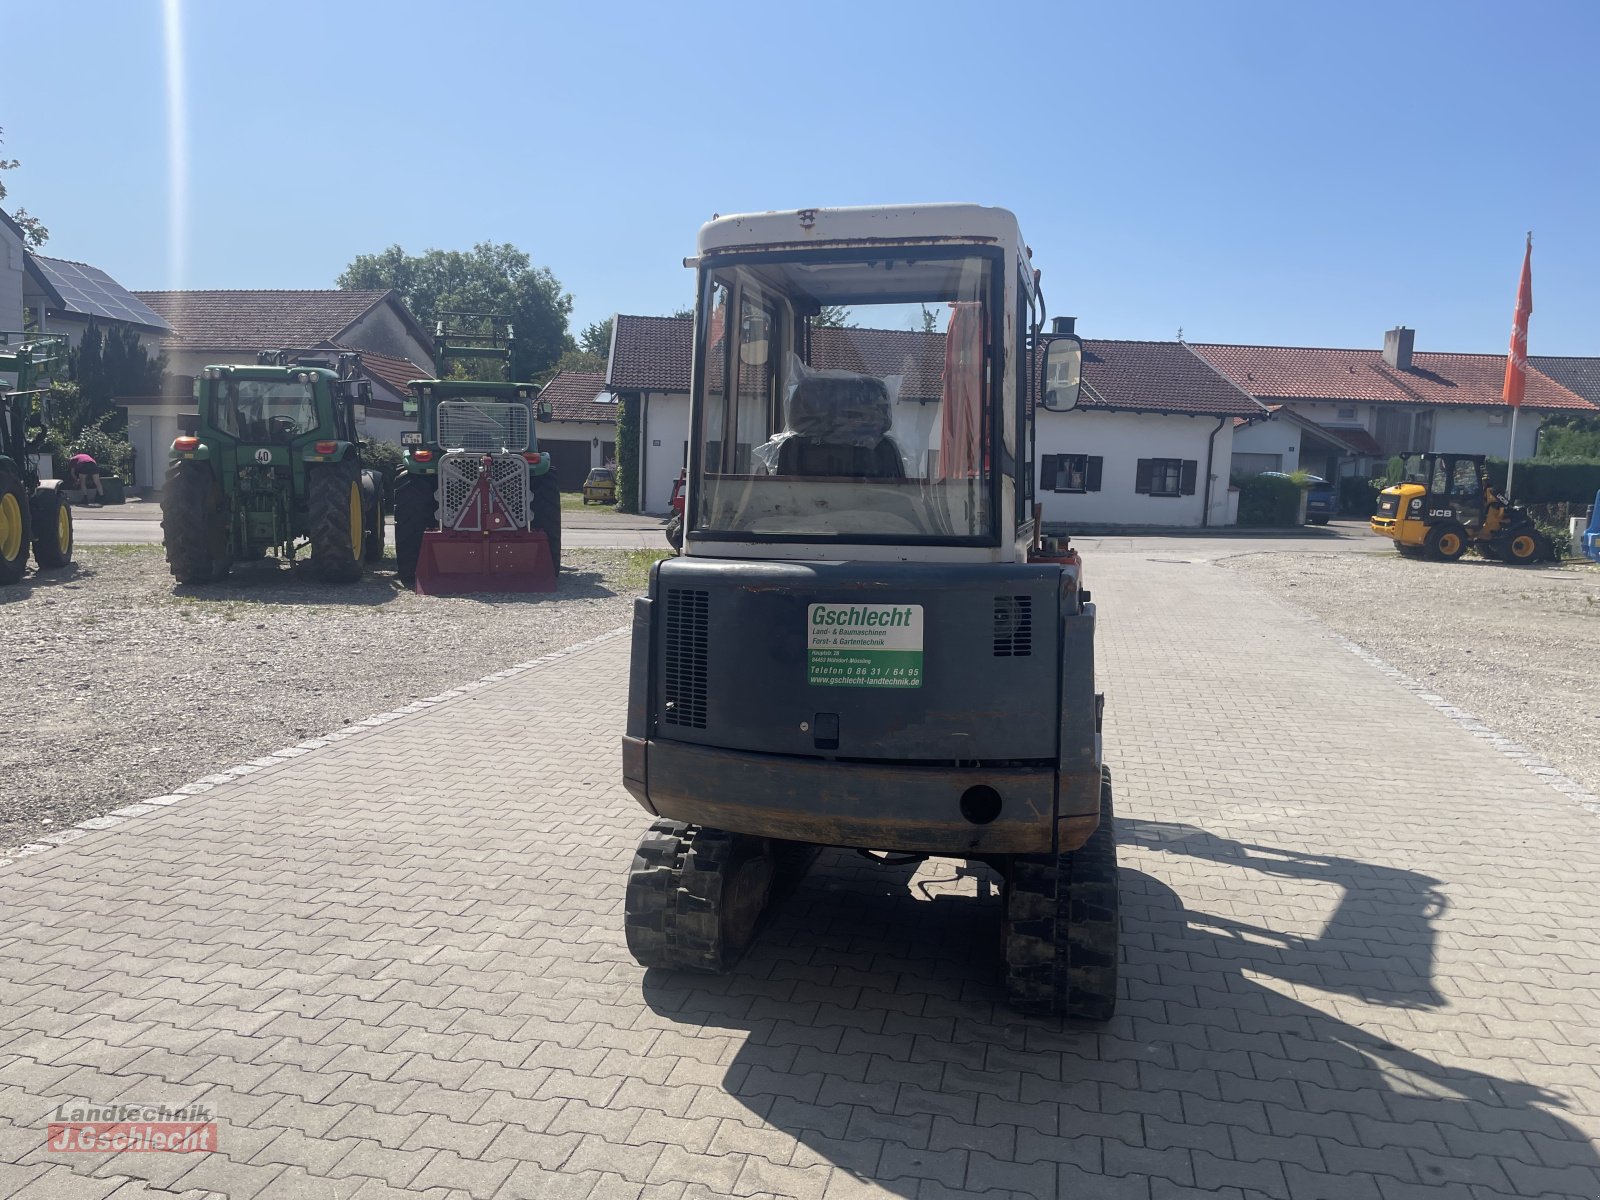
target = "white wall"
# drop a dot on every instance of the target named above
(665, 431)
(150, 432)
(1467, 431)
(11, 276)
(1274, 435)
(384, 332)
(1121, 439)
(597, 435)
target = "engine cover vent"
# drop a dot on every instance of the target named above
(1013, 626)
(684, 676)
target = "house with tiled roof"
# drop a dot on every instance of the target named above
(210, 327)
(1149, 443)
(1384, 402)
(582, 431)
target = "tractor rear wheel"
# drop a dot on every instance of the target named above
(52, 528)
(194, 525)
(14, 526)
(1060, 931)
(416, 510)
(695, 896)
(1446, 542)
(337, 521)
(372, 493)
(675, 532)
(547, 513)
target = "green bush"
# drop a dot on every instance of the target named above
(1359, 497)
(1550, 481)
(111, 450)
(1269, 500)
(386, 459)
(628, 498)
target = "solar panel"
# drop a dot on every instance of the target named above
(93, 293)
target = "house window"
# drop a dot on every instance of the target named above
(1347, 412)
(1497, 417)
(1070, 472)
(1165, 476)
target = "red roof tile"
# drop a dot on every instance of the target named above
(265, 320)
(1162, 377)
(572, 396)
(651, 354)
(1310, 373)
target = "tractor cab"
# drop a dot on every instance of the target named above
(862, 643)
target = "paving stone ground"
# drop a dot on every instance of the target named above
(1361, 961)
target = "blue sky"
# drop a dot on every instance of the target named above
(1279, 173)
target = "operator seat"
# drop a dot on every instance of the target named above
(840, 427)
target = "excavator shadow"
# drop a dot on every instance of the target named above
(871, 1030)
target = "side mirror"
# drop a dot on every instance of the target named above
(409, 405)
(545, 411)
(1063, 373)
(189, 423)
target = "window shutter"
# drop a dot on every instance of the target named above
(1092, 476)
(1141, 477)
(1047, 473)
(1189, 470)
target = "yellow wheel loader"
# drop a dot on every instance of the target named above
(1445, 505)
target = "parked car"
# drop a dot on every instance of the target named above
(1322, 497)
(600, 487)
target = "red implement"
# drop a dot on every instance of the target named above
(484, 550)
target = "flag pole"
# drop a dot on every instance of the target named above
(1511, 454)
(1516, 380)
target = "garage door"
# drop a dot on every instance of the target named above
(1254, 464)
(572, 462)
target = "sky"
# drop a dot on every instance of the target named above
(1276, 173)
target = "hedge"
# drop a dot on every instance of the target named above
(1569, 481)
(1269, 500)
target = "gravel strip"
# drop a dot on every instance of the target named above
(127, 685)
(1511, 645)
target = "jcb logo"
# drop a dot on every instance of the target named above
(1441, 512)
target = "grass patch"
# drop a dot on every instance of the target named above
(636, 566)
(573, 501)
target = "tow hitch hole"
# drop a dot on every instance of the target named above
(980, 804)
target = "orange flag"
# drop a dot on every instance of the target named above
(1517, 359)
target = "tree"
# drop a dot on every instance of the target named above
(682, 313)
(488, 278)
(930, 320)
(832, 316)
(32, 229)
(596, 338)
(107, 364)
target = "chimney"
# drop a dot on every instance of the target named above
(1397, 347)
(1063, 325)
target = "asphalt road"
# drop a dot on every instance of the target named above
(140, 521)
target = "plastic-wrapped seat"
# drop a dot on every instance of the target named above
(838, 427)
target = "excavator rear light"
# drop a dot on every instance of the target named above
(186, 443)
(533, 457)
(326, 447)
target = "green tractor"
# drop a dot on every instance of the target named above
(477, 507)
(33, 511)
(273, 462)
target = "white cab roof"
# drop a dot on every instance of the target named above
(918, 223)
